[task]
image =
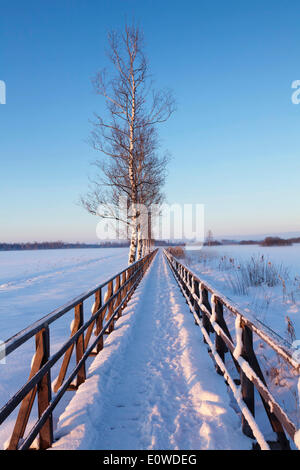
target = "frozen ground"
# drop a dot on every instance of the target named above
(288, 255)
(153, 386)
(32, 284)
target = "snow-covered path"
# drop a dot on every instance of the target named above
(153, 386)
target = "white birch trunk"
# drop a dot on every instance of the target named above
(133, 241)
(139, 244)
(133, 245)
(144, 248)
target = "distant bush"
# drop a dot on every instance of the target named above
(177, 251)
(248, 242)
(275, 241)
(212, 243)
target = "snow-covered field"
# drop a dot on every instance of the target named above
(276, 302)
(153, 386)
(32, 284)
(219, 265)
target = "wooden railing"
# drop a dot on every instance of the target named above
(207, 307)
(110, 298)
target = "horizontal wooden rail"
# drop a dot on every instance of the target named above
(106, 310)
(209, 315)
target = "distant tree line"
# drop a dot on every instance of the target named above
(268, 241)
(276, 241)
(59, 245)
(168, 243)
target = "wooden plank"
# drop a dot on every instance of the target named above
(67, 358)
(195, 303)
(44, 396)
(98, 321)
(205, 320)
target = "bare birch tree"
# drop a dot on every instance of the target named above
(133, 108)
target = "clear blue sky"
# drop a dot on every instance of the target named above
(234, 138)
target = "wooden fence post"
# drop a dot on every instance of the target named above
(196, 306)
(219, 343)
(123, 291)
(40, 357)
(44, 394)
(99, 321)
(247, 386)
(81, 375)
(205, 319)
(110, 310)
(249, 354)
(186, 283)
(119, 297)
